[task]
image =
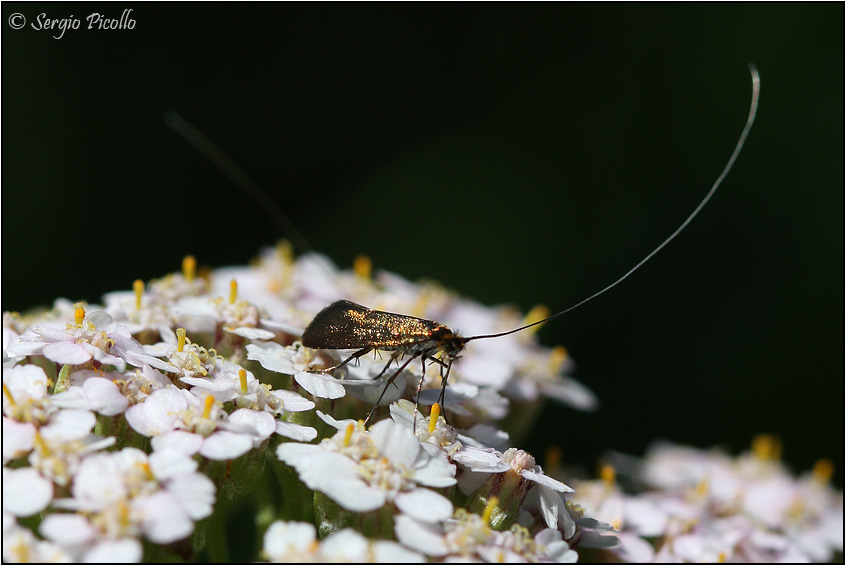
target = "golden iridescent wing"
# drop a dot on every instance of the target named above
(345, 324)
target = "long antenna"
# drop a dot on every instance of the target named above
(753, 109)
(243, 181)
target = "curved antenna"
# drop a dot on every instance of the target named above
(753, 109)
(249, 187)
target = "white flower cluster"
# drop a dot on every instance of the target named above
(123, 423)
(126, 425)
(705, 506)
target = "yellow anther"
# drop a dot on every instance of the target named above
(233, 291)
(209, 403)
(145, 468)
(78, 316)
(8, 393)
(766, 447)
(285, 251)
(242, 376)
(702, 487)
(180, 337)
(362, 266)
(123, 514)
(138, 287)
(722, 558)
(489, 509)
(617, 524)
(189, 268)
(553, 458)
(538, 312)
(608, 474)
(557, 358)
(823, 469)
(433, 417)
(348, 434)
(40, 444)
(419, 308)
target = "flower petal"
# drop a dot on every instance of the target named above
(424, 505)
(25, 492)
(320, 385)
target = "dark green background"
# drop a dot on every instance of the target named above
(517, 153)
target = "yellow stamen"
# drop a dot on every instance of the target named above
(617, 524)
(233, 291)
(123, 514)
(41, 445)
(722, 558)
(553, 458)
(189, 268)
(78, 316)
(209, 403)
(138, 287)
(145, 468)
(823, 469)
(8, 393)
(433, 417)
(242, 376)
(608, 474)
(180, 337)
(538, 312)
(557, 358)
(285, 251)
(362, 266)
(702, 487)
(489, 509)
(348, 434)
(766, 447)
(419, 307)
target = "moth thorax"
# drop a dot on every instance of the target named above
(448, 343)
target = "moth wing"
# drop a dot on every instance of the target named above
(345, 324)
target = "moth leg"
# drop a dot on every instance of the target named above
(354, 356)
(417, 398)
(444, 379)
(385, 389)
(394, 356)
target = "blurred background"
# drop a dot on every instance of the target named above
(519, 154)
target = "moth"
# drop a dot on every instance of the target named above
(347, 325)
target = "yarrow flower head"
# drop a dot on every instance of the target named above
(363, 469)
(707, 506)
(126, 426)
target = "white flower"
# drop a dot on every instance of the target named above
(221, 437)
(469, 537)
(94, 336)
(184, 358)
(296, 360)
(20, 545)
(440, 434)
(230, 382)
(127, 494)
(139, 311)
(59, 446)
(297, 542)
(25, 396)
(96, 394)
(361, 470)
